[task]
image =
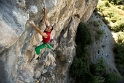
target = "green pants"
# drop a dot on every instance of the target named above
(38, 48)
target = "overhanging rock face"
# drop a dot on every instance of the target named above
(18, 39)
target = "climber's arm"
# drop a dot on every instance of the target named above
(37, 29)
(45, 17)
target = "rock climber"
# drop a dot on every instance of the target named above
(45, 34)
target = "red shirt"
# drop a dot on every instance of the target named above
(46, 40)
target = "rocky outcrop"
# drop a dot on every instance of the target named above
(18, 39)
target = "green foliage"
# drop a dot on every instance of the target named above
(100, 31)
(118, 27)
(80, 71)
(101, 75)
(98, 68)
(119, 55)
(80, 68)
(119, 49)
(83, 35)
(96, 24)
(80, 51)
(110, 14)
(116, 2)
(120, 37)
(99, 34)
(113, 20)
(111, 77)
(123, 8)
(99, 79)
(107, 4)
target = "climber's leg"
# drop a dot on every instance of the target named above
(49, 46)
(38, 48)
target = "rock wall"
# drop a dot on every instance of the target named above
(18, 39)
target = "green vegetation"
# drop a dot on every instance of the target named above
(99, 68)
(95, 24)
(111, 77)
(107, 4)
(112, 11)
(99, 34)
(116, 2)
(83, 33)
(119, 49)
(81, 70)
(115, 21)
(101, 75)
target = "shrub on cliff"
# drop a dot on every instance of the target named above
(79, 69)
(83, 35)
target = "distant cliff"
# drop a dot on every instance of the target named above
(18, 39)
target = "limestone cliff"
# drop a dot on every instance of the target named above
(18, 39)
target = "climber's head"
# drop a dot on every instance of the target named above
(49, 28)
